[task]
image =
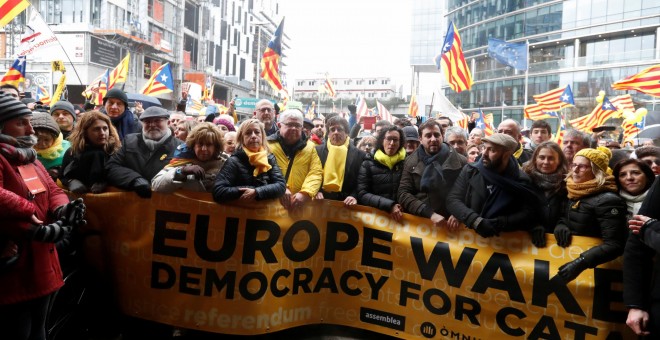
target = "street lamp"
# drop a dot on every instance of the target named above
(257, 76)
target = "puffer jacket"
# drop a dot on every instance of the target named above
(599, 215)
(238, 173)
(552, 209)
(378, 185)
(425, 204)
(306, 172)
(164, 181)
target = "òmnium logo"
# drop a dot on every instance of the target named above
(428, 330)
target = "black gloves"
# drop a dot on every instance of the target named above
(51, 233)
(195, 170)
(538, 236)
(563, 236)
(569, 271)
(142, 187)
(77, 186)
(72, 213)
(98, 188)
(487, 228)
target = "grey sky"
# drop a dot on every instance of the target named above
(348, 38)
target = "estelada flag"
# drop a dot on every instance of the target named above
(16, 73)
(647, 81)
(453, 62)
(9, 9)
(161, 81)
(270, 61)
(413, 108)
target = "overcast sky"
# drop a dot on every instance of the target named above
(348, 38)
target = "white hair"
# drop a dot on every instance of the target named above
(291, 113)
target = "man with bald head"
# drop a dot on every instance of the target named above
(264, 111)
(512, 128)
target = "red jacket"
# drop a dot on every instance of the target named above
(37, 272)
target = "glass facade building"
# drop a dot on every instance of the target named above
(588, 44)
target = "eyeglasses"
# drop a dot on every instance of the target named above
(293, 125)
(336, 129)
(367, 145)
(392, 140)
(265, 109)
(579, 167)
(153, 121)
(650, 162)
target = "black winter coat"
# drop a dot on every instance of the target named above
(378, 185)
(599, 215)
(424, 204)
(641, 280)
(354, 159)
(87, 166)
(238, 172)
(553, 208)
(467, 198)
(135, 160)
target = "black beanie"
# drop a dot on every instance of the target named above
(66, 106)
(117, 94)
(11, 108)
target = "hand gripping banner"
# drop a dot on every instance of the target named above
(184, 260)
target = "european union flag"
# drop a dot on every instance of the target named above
(511, 54)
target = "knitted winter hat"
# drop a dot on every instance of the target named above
(11, 108)
(228, 124)
(42, 120)
(600, 156)
(117, 94)
(66, 106)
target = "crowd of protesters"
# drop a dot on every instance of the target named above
(457, 178)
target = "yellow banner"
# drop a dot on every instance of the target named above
(184, 260)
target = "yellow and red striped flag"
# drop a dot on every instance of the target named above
(120, 73)
(270, 61)
(16, 73)
(647, 81)
(452, 61)
(329, 88)
(413, 108)
(42, 95)
(161, 81)
(9, 9)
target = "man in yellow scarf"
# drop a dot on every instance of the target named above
(341, 162)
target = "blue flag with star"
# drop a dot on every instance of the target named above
(567, 96)
(507, 53)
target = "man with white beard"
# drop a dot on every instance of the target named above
(143, 155)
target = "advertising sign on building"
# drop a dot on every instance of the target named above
(103, 52)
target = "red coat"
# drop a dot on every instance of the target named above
(37, 272)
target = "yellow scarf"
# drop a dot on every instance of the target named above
(578, 190)
(390, 161)
(335, 167)
(259, 160)
(54, 151)
(518, 152)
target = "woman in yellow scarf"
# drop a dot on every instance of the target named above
(378, 181)
(594, 209)
(251, 173)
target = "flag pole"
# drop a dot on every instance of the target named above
(526, 85)
(62, 47)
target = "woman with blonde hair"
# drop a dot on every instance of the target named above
(194, 164)
(251, 173)
(594, 209)
(93, 140)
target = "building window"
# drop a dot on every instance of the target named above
(384, 82)
(359, 82)
(191, 17)
(301, 83)
(311, 83)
